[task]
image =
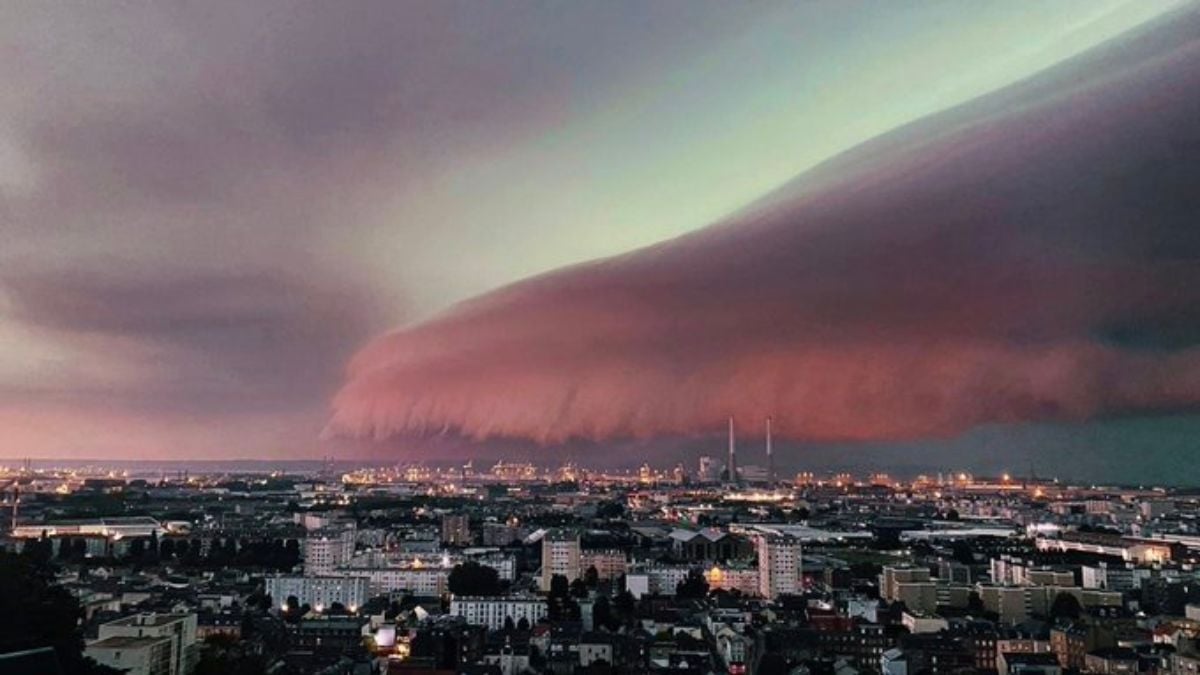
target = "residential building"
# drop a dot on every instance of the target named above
(327, 549)
(150, 640)
(1072, 643)
(778, 565)
(1028, 664)
(910, 585)
(733, 578)
(456, 529)
(319, 592)
(609, 563)
(919, 622)
(561, 555)
(1111, 661)
(133, 655)
(494, 612)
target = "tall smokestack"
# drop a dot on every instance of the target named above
(770, 457)
(732, 467)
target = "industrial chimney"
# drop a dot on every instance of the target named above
(770, 457)
(731, 466)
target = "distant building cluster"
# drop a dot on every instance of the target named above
(518, 569)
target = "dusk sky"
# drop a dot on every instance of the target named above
(208, 209)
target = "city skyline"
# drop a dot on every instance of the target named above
(600, 337)
(209, 211)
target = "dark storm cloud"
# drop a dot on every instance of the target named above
(205, 207)
(185, 190)
(189, 102)
(989, 264)
(239, 344)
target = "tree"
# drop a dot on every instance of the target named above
(39, 552)
(263, 602)
(610, 510)
(626, 605)
(222, 655)
(559, 586)
(974, 603)
(602, 615)
(596, 667)
(509, 625)
(1065, 606)
(579, 589)
(78, 549)
(523, 624)
(773, 663)
(561, 605)
(471, 578)
(34, 613)
(291, 554)
(694, 586)
(376, 605)
(961, 551)
(591, 577)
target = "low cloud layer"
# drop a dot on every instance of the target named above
(206, 209)
(231, 344)
(1032, 255)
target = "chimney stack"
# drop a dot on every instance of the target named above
(732, 465)
(770, 457)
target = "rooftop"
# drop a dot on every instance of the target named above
(149, 619)
(1031, 659)
(126, 642)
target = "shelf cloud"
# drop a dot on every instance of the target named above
(1030, 255)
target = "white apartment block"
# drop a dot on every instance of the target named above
(1110, 577)
(504, 564)
(327, 550)
(423, 574)
(154, 644)
(422, 581)
(492, 612)
(778, 565)
(561, 554)
(893, 576)
(609, 564)
(133, 655)
(319, 592)
(1015, 604)
(741, 579)
(651, 578)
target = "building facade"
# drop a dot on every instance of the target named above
(609, 563)
(778, 565)
(319, 592)
(561, 555)
(155, 644)
(328, 549)
(495, 612)
(456, 529)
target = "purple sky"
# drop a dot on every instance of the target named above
(207, 209)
